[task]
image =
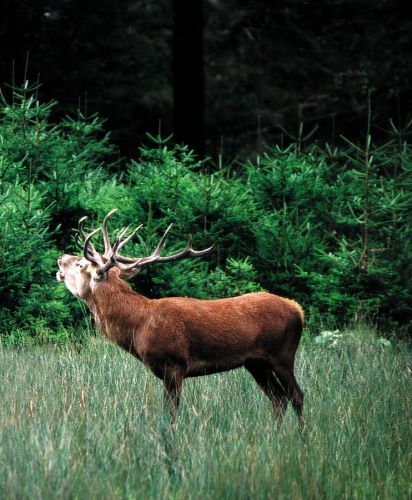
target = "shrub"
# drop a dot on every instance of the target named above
(328, 228)
(44, 171)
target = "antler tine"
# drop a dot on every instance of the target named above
(84, 234)
(130, 260)
(92, 256)
(130, 264)
(156, 253)
(161, 243)
(118, 241)
(188, 251)
(113, 255)
(121, 243)
(80, 225)
(106, 240)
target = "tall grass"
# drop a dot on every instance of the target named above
(90, 425)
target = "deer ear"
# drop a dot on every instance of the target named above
(126, 275)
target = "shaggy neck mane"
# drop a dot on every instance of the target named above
(119, 312)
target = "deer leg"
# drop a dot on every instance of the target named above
(280, 398)
(271, 387)
(297, 402)
(293, 392)
(172, 387)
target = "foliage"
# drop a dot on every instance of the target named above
(238, 277)
(22, 337)
(328, 227)
(47, 171)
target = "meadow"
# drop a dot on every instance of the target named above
(89, 423)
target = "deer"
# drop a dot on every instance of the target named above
(181, 337)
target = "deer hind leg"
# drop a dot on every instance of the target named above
(286, 378)
(264, 377)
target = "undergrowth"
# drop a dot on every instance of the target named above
(328, 227)
(90, 424)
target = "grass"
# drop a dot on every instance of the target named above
(90, 424)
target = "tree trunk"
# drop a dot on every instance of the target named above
(188, 77)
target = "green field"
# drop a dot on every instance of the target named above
(90, 424)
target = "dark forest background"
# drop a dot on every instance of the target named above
(224, 76)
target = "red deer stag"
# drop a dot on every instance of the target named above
(183, 337)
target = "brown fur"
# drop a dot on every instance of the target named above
(183, 337)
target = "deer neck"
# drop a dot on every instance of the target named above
(120, 313)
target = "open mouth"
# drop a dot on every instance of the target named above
(59, 276)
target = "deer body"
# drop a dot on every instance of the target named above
(182, 337)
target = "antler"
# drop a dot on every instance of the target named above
(136, 265)
(130, 266)
(89, 252)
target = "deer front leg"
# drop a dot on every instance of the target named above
(172, 384)
(172, 375)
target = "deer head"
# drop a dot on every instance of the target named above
(82, 275)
